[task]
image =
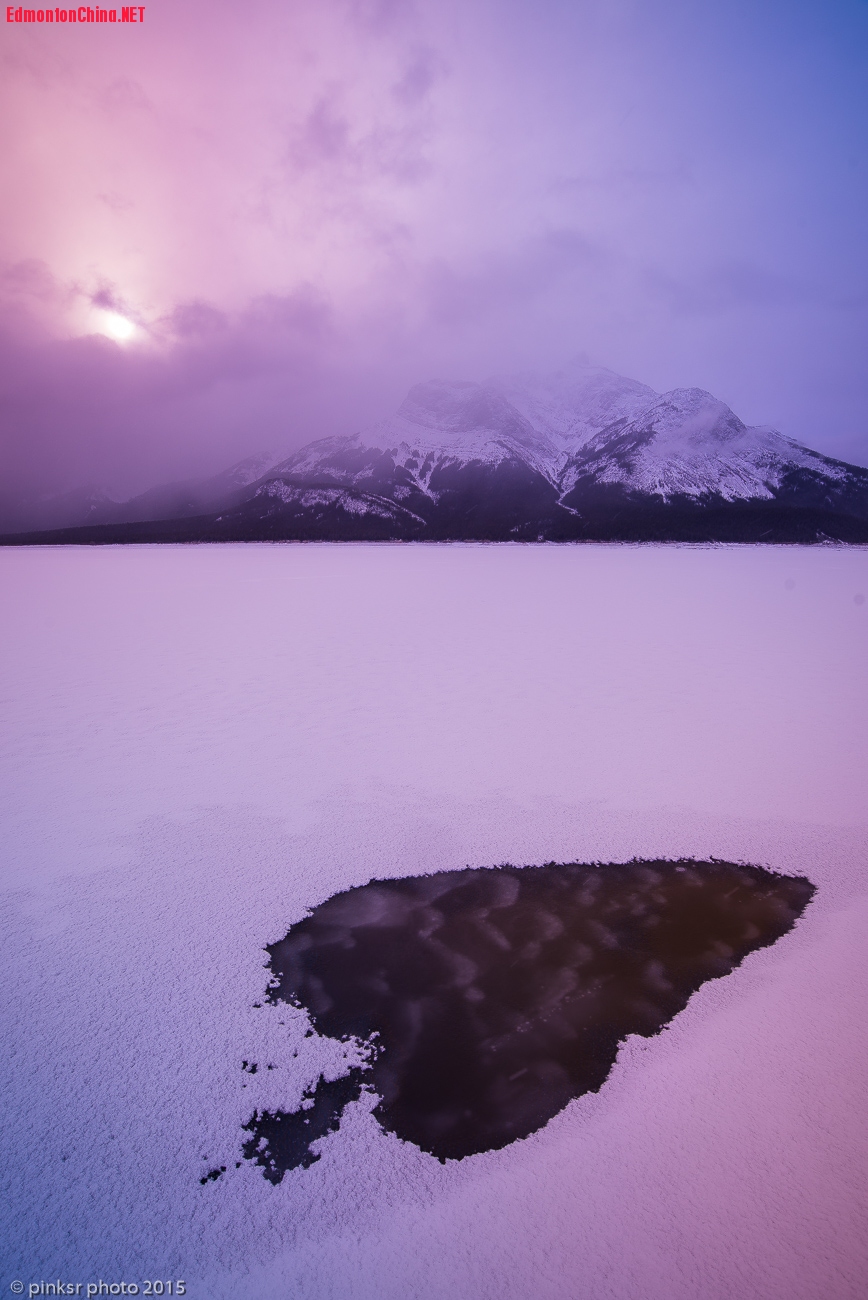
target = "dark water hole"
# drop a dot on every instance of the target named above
(493, 997)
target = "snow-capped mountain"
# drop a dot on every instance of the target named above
(687, 443)
(580, 454)
(508, 457)
(540, 421)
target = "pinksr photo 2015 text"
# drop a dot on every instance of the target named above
(129, 14)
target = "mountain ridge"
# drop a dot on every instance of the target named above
(582, 454)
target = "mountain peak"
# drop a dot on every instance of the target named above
(692, 415)
(459, 406)
(572, 404)
(573, 454)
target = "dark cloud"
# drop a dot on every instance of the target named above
(124, 95)
(424, 69)
(29, 279)
(732, 286)
(331, 141)
(380, 16)
(206, 388)
(324, 136)
(511, 281)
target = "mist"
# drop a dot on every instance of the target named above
(238, 229)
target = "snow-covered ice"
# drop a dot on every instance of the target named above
(201, 743)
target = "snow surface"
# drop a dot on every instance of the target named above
(201, 743)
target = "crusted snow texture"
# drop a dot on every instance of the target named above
(203, 743)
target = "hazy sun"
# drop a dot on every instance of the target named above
(117, 327)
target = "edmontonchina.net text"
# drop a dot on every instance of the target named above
(129, 14)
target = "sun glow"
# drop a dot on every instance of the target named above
(116, 327)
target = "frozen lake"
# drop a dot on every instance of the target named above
(201, 744)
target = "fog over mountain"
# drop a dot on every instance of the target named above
(578, 454)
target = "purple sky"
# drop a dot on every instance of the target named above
(296, 210)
